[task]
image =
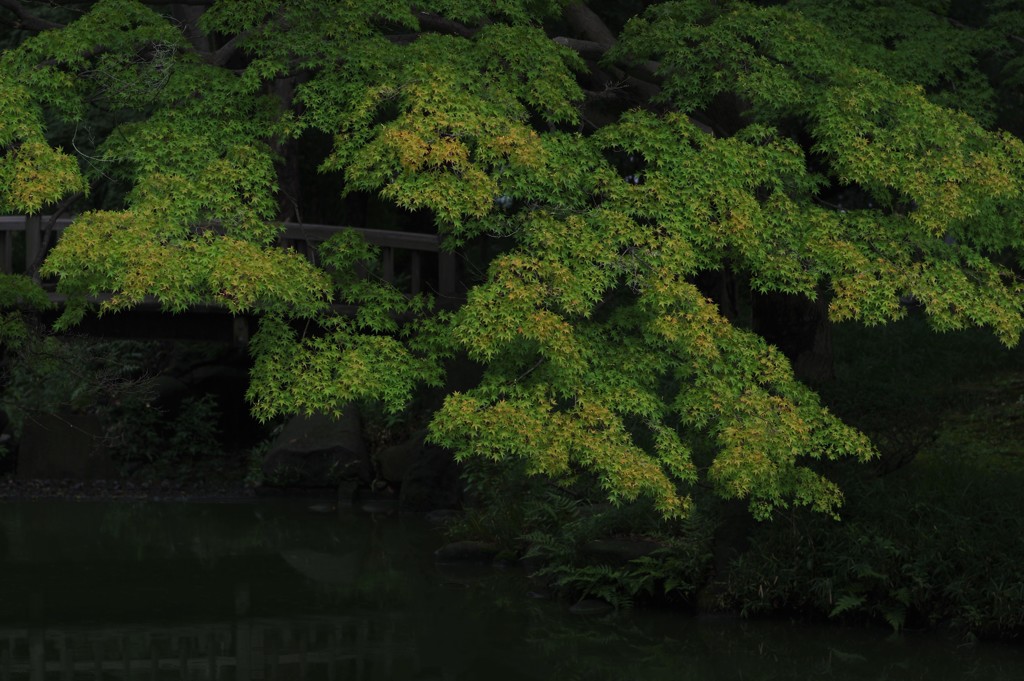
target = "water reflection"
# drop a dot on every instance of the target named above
(248, 648)
(272, 591)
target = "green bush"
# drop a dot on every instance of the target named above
(169, 444)
(936, 544)
(112, 380)
(550, 525)
(673, 573)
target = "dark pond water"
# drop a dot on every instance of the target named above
(273, 591)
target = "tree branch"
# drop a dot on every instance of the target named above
(599, 39)
(959, 24)
(222, 54)
(435, 22)
(402, 38)
(27, 20)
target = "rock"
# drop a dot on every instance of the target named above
(463, 574)
(442, 516)
(394, 462)
(618, 551)
(466, 551)
(432, 482)
(67, 445)
(326, 568)
(318, 451)
(591, 606)
(378, 506)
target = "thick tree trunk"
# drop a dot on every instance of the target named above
(720, 286)
(289, 194)
(188, 17)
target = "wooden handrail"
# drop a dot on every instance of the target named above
(303, 236)
(16, 223)
(296, 231)
(387, 238)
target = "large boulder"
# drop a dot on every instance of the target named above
(67, 445)
(318, 451)
(467, 551)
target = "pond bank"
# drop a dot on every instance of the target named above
(12, 489)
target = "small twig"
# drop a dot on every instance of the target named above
(530, 370)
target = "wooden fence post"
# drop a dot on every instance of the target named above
(446, 274)
(417, 272)
(7, 254)
(388, 256)
(33, 242)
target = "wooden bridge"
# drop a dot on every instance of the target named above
(412, 262)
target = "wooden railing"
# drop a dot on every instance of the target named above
(32, 228)
(405, 256)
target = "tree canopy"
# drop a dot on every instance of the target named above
(860, 153)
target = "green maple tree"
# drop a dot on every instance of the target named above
(855, 153)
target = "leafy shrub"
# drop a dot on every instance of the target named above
(51, 374)
(673, 573)
(170, 444)
(933, 544)
(112, 379)
(500, 498)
